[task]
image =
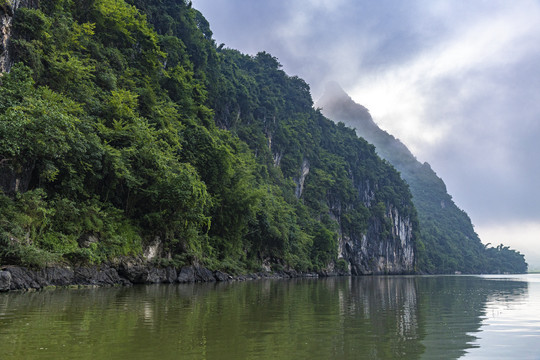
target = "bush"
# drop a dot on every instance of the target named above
(342, 266)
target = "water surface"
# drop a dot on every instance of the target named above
(382, 317)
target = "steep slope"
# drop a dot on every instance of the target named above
(449, 242)
(125, 132)
(337, 178)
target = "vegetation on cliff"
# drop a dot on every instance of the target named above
(123, 125)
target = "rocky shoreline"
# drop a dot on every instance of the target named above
(17, 278)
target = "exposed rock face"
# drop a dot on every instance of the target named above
(304, 171)
(153, 250)
(5, 280)
(128, 272)
(7, 13)
(26, 279)
(377, 252)
(86, 240)
(6, 19)
(189, 274)
(140, 272)
(101, 276)
(20, 278)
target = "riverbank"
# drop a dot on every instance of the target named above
(17, 278)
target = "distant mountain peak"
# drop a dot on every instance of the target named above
(334, 90)
(337, 105)
(336, 100)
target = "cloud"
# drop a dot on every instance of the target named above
(432, 87)
(468, 106)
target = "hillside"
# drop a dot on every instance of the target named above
(449, 242)
(125, 132)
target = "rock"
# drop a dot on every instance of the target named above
(202, 274)
(104, 276)
(55, 276)
(152, 276)
(292, 274)
(194, 273)
(221, 276)
(170, 275)
(136, 272)
(153, 250)
(283, 274)
(132, 271)
(304, 171)
(85, 240)
(24, 279)
(186, 275)
(5, 280)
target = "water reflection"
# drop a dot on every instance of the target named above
(348, 318)
(511, 324)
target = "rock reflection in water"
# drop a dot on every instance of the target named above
(382, 311)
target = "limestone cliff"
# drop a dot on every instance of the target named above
(387, 247)
(6, 18)
(386, 242)
(376, 253)
(8, 9)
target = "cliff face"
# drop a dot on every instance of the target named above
(386, 244)
(8, 9)
(372, 253)
(6, 18)
(386, 247)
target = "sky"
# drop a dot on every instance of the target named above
(457, 81)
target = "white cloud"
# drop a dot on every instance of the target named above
(413, 101)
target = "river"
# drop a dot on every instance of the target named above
(375, 317)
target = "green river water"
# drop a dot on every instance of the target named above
(376, 317)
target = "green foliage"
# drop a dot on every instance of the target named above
(342, 265)
(36, 231)
(88, 122)
(501, 259)
(324, 245)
